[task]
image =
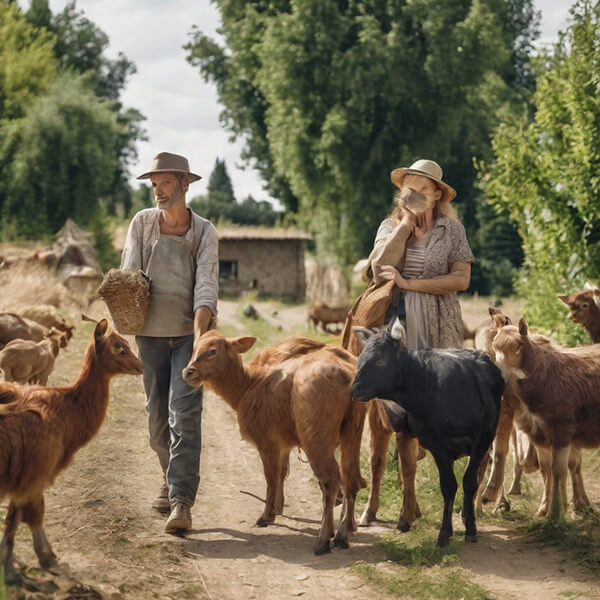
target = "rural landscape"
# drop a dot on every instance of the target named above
(445, 153)
(111, 544)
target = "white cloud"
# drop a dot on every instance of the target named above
(182, 111)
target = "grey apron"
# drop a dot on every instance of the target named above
(171, 271)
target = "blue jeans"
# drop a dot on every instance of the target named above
(174, 413)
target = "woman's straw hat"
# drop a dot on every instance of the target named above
(165, 162)
(426, 168)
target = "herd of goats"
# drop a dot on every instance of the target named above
(304, 393)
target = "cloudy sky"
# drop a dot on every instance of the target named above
(182, 111)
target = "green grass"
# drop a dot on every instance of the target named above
(422, 570)
(579, 537)
(413, 582)
(3, 590)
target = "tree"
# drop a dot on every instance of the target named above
(80, 46)
(546, 174)
(330, 96)
(26, 62)
(58, 160)
(219, 202)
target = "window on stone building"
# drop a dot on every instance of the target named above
(228, 269)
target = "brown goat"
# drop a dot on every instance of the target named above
(295, 394)
(40, 430)
(557, 388)
(26, 361)
(527, 457)
(47, 315)
(13, 326)
(584, 308)
(322, 313)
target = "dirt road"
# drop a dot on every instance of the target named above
(106, 535)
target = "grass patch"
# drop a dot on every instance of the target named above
(440, 583)
(579, 537)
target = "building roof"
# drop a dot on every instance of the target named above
(261, 233)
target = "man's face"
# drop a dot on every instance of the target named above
(168, 191)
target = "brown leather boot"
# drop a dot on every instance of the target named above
(180, 519)
(161, 502)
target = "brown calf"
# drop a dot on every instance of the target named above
(527, 457)
(296, 394)
(26, 361)
(557, 388)
(324, 314)
(13, 326)
(42, 427)
(584, 308)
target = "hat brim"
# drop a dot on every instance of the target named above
(191, 176)
(397, 176)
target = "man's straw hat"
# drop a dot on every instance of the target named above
(165, 162)
(426, 168)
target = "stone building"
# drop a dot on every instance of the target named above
(270, 261)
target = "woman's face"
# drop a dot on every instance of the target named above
(426, 195)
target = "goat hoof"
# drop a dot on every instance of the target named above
(443, 539)
(472, 537)
(322, 548)
(47, 562)
(339, 541)
(262, 522)
(11, 577)
(403, 525)
(366, 519)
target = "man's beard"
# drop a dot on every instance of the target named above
(168, 202)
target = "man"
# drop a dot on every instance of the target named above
(178, 250)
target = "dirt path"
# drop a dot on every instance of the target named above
(106, 535)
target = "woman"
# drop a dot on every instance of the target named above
(423, 248)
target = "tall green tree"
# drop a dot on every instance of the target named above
(546, 174)
(58, 160)
(219, 202)
(27, 65)
(80, 46)
(331, 95)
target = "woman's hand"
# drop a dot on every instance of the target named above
(391, 273)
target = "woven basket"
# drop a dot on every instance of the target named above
(126, 293)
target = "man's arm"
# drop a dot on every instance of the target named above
(202, 320)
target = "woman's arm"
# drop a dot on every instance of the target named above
(457, 279)
(389, 250)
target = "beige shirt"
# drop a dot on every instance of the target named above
(144, 231)
(448, 244)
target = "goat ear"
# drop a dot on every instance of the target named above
(242, 344)
(596, 296)
(362, 334)
(397, 331)
(498, 319)
(523, 329)
(564, 299)
(493, 311)
(101, 328)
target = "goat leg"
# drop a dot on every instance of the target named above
(33, 515)
(500, 450)
(271, 458)
(328, 473)
(580, 499)
(380, 436)
(284, 469)
(448, 486)
(352, 480)
(408, 451)
(11, 522)
(560, 463)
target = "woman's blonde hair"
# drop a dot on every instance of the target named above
(441, 208)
